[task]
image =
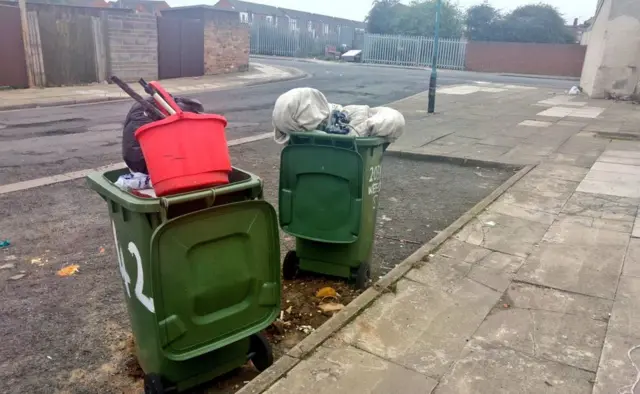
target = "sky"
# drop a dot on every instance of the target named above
(358, 9)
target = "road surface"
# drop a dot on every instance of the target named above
(48, 141)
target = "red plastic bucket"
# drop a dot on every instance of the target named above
(185, 152)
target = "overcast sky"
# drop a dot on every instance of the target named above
(358, 9)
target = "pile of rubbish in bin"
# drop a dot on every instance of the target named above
(307, 109)
(170, 145)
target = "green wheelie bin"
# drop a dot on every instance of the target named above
(329, 187)
(201, 276)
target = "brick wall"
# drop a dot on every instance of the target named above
(133, 46)
(523, 58)
(226, 46)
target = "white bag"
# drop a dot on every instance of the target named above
(300, 109)
(385, 122)
(358, 116)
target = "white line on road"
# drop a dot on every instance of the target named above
(70, 176)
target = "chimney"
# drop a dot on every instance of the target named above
(575, 22)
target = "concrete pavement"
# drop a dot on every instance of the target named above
(538, 293)
(48, 97)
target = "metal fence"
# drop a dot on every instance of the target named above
(282, 41)
(413, 51)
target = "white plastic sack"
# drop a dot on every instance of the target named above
(300, 109)
(379, 122)
(358, 116)
(386, 122)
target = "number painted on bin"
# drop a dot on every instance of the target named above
(145, 300)
(375, 173)
(375, 184)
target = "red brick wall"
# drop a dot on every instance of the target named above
(523, 58)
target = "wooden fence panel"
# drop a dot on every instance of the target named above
(68, 49)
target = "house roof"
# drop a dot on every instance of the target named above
(245, 6)
(155, 4)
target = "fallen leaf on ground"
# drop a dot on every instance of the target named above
(289, 309)
(101, 250)
(7, 266)
(68, 270)
(326, 292)
(37, 261)
(17, 277)
(330, 307)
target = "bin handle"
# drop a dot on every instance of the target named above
(166, 202)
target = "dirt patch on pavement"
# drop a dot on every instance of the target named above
(72, 334)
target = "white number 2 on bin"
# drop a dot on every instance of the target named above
(147, 302)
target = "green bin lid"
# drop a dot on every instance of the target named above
(216, 277)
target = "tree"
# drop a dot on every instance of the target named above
(536, 23)
(383, 16)
(419, 19)
(482, 23)
(539, 23)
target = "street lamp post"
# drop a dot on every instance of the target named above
(434, 65)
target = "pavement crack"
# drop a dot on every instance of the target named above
(434, 140)
(533, 333)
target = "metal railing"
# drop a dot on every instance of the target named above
(413, 51)
(283, 41)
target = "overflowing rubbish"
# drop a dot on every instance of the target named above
(5, 244)
(307, 109)
(173, 141)
(134, 181)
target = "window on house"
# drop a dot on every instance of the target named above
(309, 26)
(293, 24)
(269, 19)
(325, 29)
(244, 17)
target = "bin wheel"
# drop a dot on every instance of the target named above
(260, 349)
(290, 265)
(363, 276)
(153, 384)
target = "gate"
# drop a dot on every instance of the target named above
(13, 67)
(413, 51)
(67, 49)
(180, 48)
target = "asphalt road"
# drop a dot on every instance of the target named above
(47, 141)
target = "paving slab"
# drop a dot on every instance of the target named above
(512, 209)
(566, 232)
(496, 270)
(590, 270)
(484, 368)
(625, 317)
(636, 227)
(422, 327)
(602, 206)
(534, 201)
(569, 339)
(347, 370)
(461, 251)
(579, 160)
(560, 171)
(616, 373)
(526, 296)
(547, 186)
(503, 233)
(620, 226)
